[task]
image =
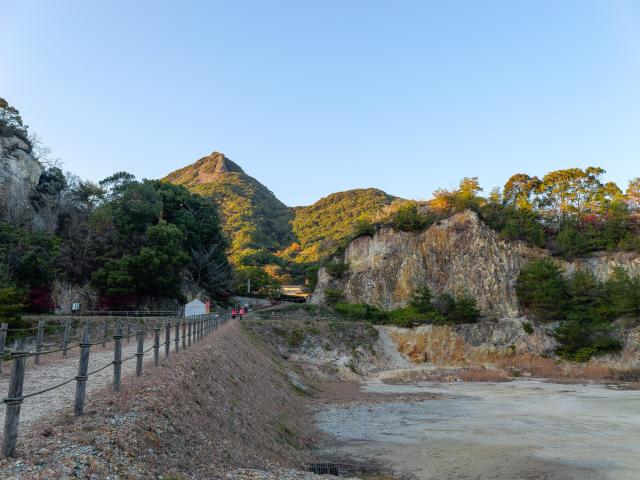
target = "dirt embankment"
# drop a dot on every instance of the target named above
(226, 403)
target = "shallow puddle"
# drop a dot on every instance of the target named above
(525, 429)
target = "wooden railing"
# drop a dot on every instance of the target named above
(60, 336)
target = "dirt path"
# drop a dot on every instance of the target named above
(58, 369)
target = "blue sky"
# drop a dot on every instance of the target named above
(316, 97)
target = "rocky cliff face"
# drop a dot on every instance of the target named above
(472, 343)
(19, 173)
(457, 255)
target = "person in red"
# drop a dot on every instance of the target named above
(241, 312)
(233, 313)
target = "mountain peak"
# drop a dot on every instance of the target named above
(205, 170)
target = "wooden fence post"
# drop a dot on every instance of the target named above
(167, 339)
(128, 328)
(105, 332)
(156, 344)
(139, 353)
(14, 401)
(39, 339)
(3, 342)
(189, 323)
(184, 322)
(83, 367)
(177, 334)
(65, 337)
(117, 357)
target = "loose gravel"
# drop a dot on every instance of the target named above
(55, 371)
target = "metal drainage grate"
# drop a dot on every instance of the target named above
(323, 468)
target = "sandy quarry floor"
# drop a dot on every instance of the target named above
(526, 429)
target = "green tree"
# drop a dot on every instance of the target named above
(573, 193)
(422, 300)
(11, 122)
(633, 194)
(465, 310)
(469, 188)
(542, 290)
(12, 304)
(621, 295)
(408, 219)
(518, 190)
(257, 276)
(165, 231)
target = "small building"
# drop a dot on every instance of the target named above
(297, 290)
(195, 307)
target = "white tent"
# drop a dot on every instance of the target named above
(194, 307)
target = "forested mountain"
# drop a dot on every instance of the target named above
(255, 221)
(322, 227)
(270, 241)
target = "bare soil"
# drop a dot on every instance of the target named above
(525, 429)
(225, 403)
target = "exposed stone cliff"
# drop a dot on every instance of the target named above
(457, 255)
(19, 173)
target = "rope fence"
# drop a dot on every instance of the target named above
(178, 330)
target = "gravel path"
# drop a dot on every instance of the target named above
(60, 369)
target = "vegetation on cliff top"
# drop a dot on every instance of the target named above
(572, 212)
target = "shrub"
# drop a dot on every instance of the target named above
(410, 316)
(444, 304)
(336, 269)
(295, 338)
(584, 354)
(584, 335)
(333, 295)
(363, 228)
(361, 311)
(408, 219)
(465, 310)
(527, 327)
(422, 301)
(514, 223)
(12, 304)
